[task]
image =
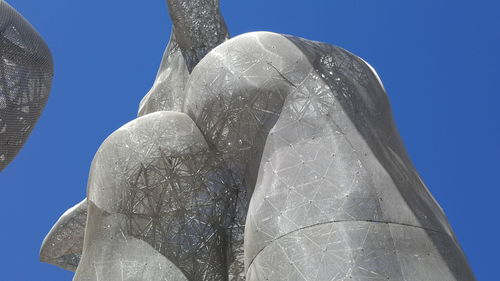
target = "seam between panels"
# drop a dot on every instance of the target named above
(340, 221)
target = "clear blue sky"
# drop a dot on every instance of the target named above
(438, 60)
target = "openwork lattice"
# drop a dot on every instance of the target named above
(263, 157)
(26, 72)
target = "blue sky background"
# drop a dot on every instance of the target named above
(438, 60)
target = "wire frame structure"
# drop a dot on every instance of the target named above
(262, 157)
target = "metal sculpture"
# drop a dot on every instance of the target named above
(301, 128)
(63, 245)
(26, 73)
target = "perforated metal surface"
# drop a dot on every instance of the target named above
(302, 128)
(64, 243)
(198, 27)
(26, 73)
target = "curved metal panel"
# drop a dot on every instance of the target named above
(63, 244)
(332, 156)
(26, 73)
(302, 128)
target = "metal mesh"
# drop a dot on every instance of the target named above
(64, 243)
(198, 27)
(302, 128)
(26, 72)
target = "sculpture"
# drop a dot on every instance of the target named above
(26, 72)
(301, 128)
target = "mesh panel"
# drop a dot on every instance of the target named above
(26, 73)
(301, 127)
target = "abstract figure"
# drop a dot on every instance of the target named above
(285, 142)
(26, 73)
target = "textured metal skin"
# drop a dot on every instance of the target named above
(64, 243)
(116, 256)
(336, 197)
(198, 27)
(26, 73)
(335, 186)
(302, 128)
(155, 180)
(168, 88)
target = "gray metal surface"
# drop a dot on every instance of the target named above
(64, 243)
(156, 180)
(332, 157)
(197, 28)
(303, 129)
(26, 73)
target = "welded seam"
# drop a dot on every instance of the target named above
(339, 221)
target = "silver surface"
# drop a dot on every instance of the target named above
(302, 128)
(63, 244)
(197, 28)
(26, 73)
(155, 180)
(168, 88)
(332, 155)
(357, 250)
